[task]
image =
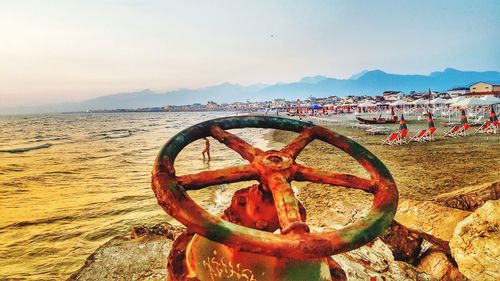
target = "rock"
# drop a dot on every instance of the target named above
(162, 229)
(469, 198)
(429, 218)
(404, 245)
(475, 245)
(123, 258)
(438, 265)
(376, 262)
(143, 256)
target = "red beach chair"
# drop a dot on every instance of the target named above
(403, 130)
(393, 139)
(461, 129)
(465, 125)
(453, 131)
(398, 137)
(484, 128)
(490, 126)
(430, 130)
(429, 134)
(419, 136)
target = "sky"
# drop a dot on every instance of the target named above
(57, 51)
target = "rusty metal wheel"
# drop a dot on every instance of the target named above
(275, 170)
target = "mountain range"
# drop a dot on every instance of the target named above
(372, 82)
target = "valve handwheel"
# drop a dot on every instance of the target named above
(274, 170)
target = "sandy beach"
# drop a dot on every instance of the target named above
(421, 170)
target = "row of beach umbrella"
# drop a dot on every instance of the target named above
(456, 102)
(461, 102)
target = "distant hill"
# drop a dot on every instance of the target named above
(372, 82)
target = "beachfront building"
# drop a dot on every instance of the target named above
(279, 103)
(481, 89)
(393, 95)
(212, 105)
(459, 91)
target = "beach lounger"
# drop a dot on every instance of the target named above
(483, 128)
(429, 134)
(462, 131)
(393, 139)
(488, 128)
(418, 136)
(402, 137)
(453, 131)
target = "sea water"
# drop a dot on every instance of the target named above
(71, 182)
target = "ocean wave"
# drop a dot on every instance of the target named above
(132, 198)
(115, 134)
(25, 149)
(37, 222)
(40, 139)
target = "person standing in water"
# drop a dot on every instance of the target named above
(206, 150)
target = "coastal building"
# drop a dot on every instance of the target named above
(393, 95)
(212, 105)
(332, 99)
(484, 89)
(279, 103)
(444, 95)
(459, 91)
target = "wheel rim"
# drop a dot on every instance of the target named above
(172, 196)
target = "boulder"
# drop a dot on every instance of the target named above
(438, 265)
(142, 256)
(469, 198)
(163, 229)
(475, 245)
(405, 245)
(429, 218)
(123, 258)
(376, 262)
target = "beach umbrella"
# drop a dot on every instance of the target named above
(399, 102)
(490, 100)
(454, 100)
(367, 104)
(493, 116)
(469, 102)
(403, 129)
(316, 106)
(430, 122)
(419, 102)
(438, 101)
(463, 119)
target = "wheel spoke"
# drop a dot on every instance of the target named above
(303, 173)
(244, 149)
(220, 176)
(299, 143)
(286, 204)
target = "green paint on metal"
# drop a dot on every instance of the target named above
(296, 270)
(218, 232)
(375, 223)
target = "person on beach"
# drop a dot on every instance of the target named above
(206, 150)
